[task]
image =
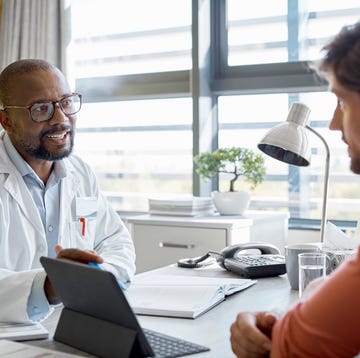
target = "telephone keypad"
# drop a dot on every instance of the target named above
(259, 260)
(256, 266)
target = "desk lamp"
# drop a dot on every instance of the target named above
(288, 143)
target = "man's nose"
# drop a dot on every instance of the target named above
(59, 116)
(336, 121)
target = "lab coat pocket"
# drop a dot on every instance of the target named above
(86, 207)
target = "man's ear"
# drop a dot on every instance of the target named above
(5, 121)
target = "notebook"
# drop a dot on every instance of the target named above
(98, 319)
(181, 296)
(10, 349)
(22, 331)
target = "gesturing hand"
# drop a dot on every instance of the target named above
(78, 255)
(70, 254)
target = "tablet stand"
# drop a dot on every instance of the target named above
(93, 335)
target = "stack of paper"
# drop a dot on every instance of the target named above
(193, 206)
(181, 296)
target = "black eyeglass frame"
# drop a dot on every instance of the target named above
(51, 114)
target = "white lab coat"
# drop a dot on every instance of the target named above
(23, 240)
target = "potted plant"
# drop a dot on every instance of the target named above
(240, 162)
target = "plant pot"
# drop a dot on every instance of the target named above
(231, 202)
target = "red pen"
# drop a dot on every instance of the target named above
(83, 221)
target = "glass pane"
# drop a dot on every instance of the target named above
(269, 31)
(244, 120)
(137, 148)
(113, 37)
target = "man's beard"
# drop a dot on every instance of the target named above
(41, 152)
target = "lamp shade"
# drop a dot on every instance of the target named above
(288, 141)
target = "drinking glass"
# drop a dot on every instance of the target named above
(311, 266)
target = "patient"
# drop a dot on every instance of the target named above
(325, 323)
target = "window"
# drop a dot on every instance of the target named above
(135, 131)
(137, 148)
(280, 31)
(117, 37)
(259, 39)
(245, 119)
(134, 64)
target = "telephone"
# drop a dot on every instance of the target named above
(266, 264)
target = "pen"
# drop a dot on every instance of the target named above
(98, 266)
(83, 221)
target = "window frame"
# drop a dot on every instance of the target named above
(209, 77)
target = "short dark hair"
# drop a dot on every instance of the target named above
(342, 57)
(17, 68)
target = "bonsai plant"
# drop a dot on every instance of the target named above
(237, 161)
(240, 162)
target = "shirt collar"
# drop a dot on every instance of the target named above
(23, 167)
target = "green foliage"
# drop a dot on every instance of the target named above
(237, 161)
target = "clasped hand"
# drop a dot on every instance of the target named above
(251, 334)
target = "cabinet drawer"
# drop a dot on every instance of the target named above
(157, 245)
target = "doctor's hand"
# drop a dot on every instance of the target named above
(70, 254)
(78, 255)
(251, 334)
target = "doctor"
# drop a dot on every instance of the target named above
(50, 204)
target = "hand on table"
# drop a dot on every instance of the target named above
(251, 334)
(70, 254)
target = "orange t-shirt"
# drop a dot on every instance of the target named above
(326, 323)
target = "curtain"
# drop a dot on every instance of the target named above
(34, 29)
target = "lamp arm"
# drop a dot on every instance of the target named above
(326, 182)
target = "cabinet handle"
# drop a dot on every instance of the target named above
(178, 246)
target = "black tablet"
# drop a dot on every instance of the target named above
(98, 319)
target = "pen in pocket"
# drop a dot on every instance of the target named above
(98, 266)
(83, 226)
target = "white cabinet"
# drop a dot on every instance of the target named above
(162, 240)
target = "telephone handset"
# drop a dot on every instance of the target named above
(264, 248)
(268, 263)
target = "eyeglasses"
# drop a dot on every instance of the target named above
(44, 111)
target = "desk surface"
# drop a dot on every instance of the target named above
(213, 328)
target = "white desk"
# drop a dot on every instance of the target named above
(211, 329)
